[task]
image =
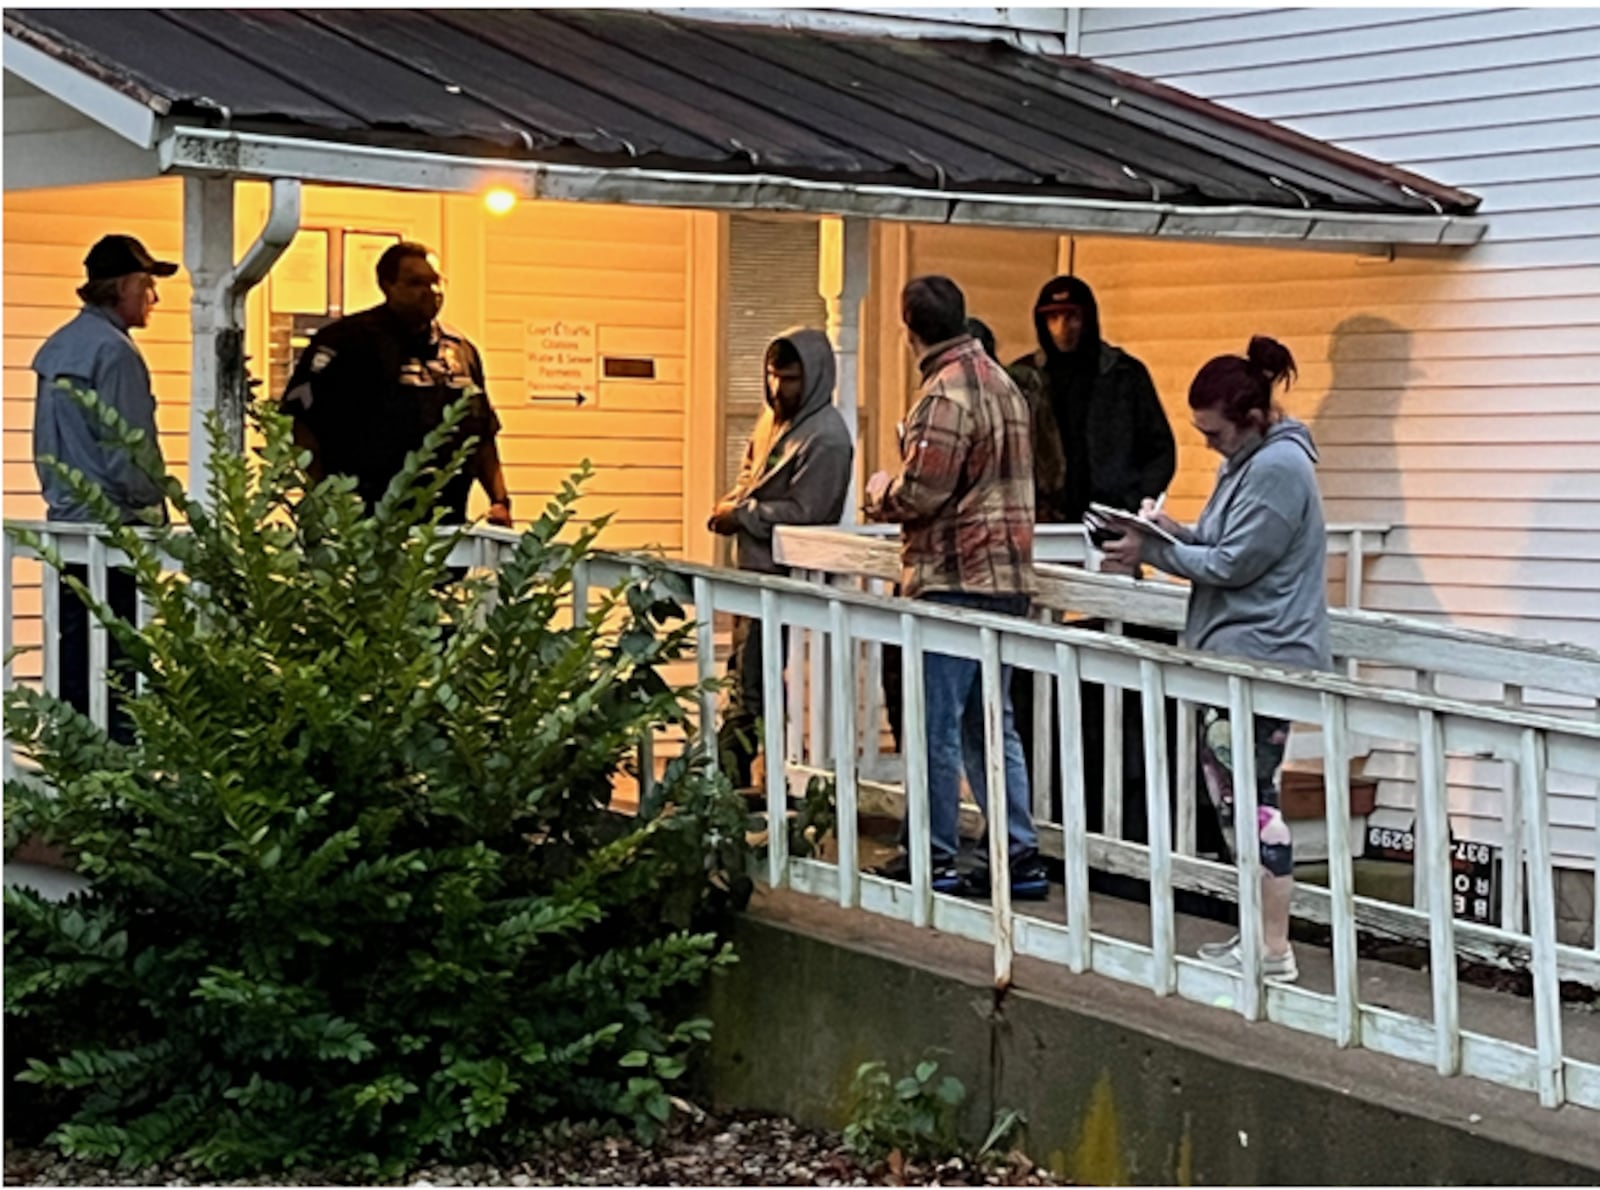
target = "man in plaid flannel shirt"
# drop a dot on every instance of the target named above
(964, 501)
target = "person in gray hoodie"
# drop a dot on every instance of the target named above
(95, 352)
(796, 471)
(1257, 562)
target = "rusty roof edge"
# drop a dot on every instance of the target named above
(210, 151)
(80, 58)
(1299, 141)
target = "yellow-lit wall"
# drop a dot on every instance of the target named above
(625, 269)
(628, 270)
(47, 234)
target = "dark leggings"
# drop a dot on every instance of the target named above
(1216, 763)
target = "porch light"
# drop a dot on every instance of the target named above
(500, 201)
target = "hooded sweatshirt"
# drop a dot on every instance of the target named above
(794, 472)
(1258, 556)
(1099, 431)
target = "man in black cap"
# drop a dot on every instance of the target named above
(369, 387)
(96, 352)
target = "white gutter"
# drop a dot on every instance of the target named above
(107, 106)
(215, 152)
(283, 221)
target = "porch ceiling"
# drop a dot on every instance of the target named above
(648, 94)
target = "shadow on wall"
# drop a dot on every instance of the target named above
(1361, 473)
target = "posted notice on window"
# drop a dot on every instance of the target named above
(563, 359)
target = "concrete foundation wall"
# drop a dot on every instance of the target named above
(1117, 1086)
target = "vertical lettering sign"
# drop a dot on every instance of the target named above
(562, 359)
(1475, 870)
(1475, 881)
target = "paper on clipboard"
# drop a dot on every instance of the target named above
(1121, 516)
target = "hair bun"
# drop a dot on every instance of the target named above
(1272, 359)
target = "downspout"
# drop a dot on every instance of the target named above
(218, 312)
(283, 221)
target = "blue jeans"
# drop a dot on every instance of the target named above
(953, 690)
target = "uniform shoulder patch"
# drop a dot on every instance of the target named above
(320, 359)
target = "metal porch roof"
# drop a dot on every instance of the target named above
(634, 90)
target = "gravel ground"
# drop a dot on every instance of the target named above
(742, 1150)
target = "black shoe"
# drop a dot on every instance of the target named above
(1030, 880)
(946, 876)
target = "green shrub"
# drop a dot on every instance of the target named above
(358, 900)
(914, 1115)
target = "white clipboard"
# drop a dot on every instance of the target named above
(1131, 520)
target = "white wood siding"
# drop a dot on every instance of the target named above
(1456, 395)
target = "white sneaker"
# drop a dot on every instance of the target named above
(1212, 951)
(1281, 968)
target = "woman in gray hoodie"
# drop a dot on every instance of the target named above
(1257, 562)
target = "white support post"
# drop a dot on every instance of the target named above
(217, 306)
(580, 595)
(871, 661)
(1074, 828)
(818, 745)
(50, 618)
(914, 728)
(1111, 774)
(1433, 856)
(1187, 777)
(1341, 870)
(1043, 733)
(1513, 879)
(99, 639)
(794, 738)
(841, 694)
(842, 273)
(1354, 578)
(1542, 902)
(1247, 843)
(1163, 927)
(772, 741)
(208, 255)
(705, 661)
(992, 675)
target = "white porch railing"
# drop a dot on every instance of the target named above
(1424, 657)
(1068, 545)
(1063, 656)
(842, 622)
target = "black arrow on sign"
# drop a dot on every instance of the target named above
(575, 399)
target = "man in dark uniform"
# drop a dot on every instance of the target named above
(370, 386)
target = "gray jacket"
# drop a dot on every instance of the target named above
(796, 472)
(1258, 556)
(95, 352)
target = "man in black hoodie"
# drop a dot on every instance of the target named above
(1099, 431)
